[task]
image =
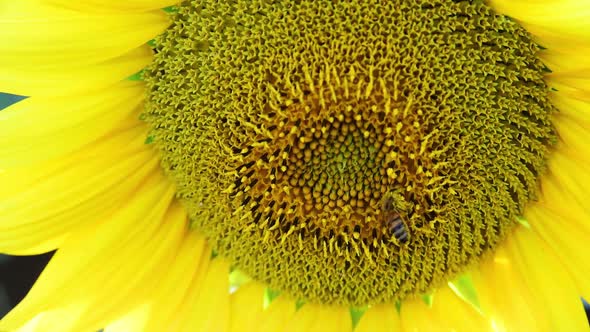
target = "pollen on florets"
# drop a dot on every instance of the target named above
(349, 152)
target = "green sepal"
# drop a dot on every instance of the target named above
(237, 278)
(299, 303)
(170, 10)
(523, 221)
(356, 314)
(464, 288)
(136, 77)
(269, 296)
(428, 298)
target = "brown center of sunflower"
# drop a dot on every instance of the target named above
(349, 152)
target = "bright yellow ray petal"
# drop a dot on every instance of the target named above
(570, 92)
(568, 17)
(576, 110)
(98, 265)
(571, 62)
(547, 279)
(37, 37)
(572, 172)
(454, 313)
(166, 300)
(76, 79)
(41, 128)
(567, 240)
(163, 302)
(557, 41)
(572, 81)
(564, 188)
(416, 316)
(505, 300)
(183, 315)
(42, 203)
(209, 310)
(109, 5)
(276, 316)
(380, 318)
(246, 306)
(138, 264)
(333, 319)
(52, 319)
(29, 231)
(320, 318)
(131, 322)
(302, 320)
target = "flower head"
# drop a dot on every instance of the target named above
(309, 164)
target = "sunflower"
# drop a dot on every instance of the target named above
(270, 165)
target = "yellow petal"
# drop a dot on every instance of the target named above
(186, 271)
(41, 204)
(568, 17)
(40, 128)
(557, 41)
(209, 309)
(570, 92)
(333, 319)
(52, 320)
(50, 39)
(71, 80)
(277, 315)
(320, 318)
(571, 62)
(572, 81)
(576, 110)
(567, 241)
(571, 171)
(132, 321)
(133, 281)
(181, 319)
(109, 5)
(505, 299)
(565, 186)
(106, 268)
(380, 318)
(164, 302)
(546, 277)
(455, 314)
(246, 306)
(416, 316)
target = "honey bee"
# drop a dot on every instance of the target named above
(393, 220)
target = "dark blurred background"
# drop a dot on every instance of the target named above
(17, 274)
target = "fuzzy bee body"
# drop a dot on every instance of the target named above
(393, 221)
(396, 227)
